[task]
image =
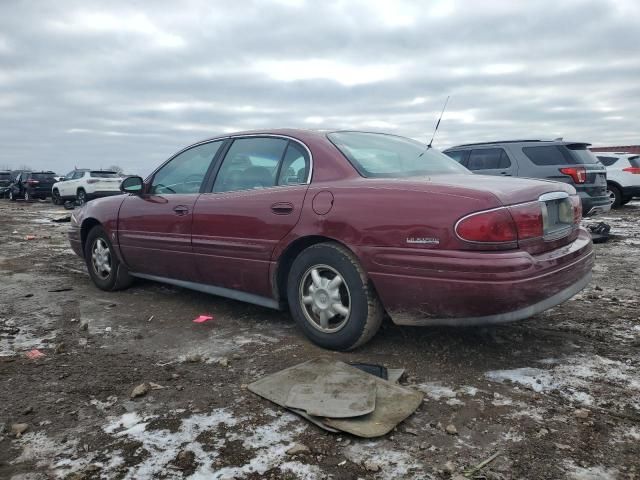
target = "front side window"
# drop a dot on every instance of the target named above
(458, 155)
(250, 163)
(376, 155)
(78, 174)
(186, 171)
(488, 159)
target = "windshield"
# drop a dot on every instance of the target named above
(388, 156)
(102, 174)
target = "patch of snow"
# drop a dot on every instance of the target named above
(436, 391)
(393, 463)
(597, 472)
(575, 376)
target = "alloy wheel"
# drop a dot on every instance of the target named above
(82, 197)
(325, 298)
(612, 196)
(101, 258)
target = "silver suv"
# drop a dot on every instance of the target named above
(568, 162)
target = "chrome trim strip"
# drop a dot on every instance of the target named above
(220, 291)
(552, 196)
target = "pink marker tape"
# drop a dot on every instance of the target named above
(202, 319)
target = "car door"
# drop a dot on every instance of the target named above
(490, 161)
(154, 228)
(71, 185)
(255, 201)
(63, 184)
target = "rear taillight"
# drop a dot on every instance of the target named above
(93, 180)
(578, 174)
(517, 222)
(32, 182)
(492, 226)
(529, 220)
(634, 170)
(576, 204)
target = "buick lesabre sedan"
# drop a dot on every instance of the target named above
(342, 227)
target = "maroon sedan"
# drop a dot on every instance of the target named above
(342, 227)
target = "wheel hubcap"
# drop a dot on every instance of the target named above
(325, 298)
(101, 258)
(612, 196)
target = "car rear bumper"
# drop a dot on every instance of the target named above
(594, 205)
(431, 287)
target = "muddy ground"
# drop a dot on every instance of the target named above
(557, 396)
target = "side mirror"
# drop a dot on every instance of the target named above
(133, 184)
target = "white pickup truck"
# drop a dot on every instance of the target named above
(83, 185)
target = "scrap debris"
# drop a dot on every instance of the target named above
(34, 354)
(599, 232)
(202, 318)
(319, 390)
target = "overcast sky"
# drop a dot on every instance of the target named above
(92, 84)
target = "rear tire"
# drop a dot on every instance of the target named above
(105, 269)
(335, 313)
(615, 195)
(12, 196)
(27, 196)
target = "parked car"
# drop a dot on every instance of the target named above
(623, 176)
(31, 185)
(341, 226)
(83, 185)
(5, 181)
(568, 162)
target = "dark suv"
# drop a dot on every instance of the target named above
(5, 181)
(568, 162)
(31, 185)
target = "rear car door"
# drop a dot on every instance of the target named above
(490, 161)
(255, 201)
(154, 228)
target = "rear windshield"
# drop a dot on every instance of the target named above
(5, 176)
(378, 155)
(576, 154)
(100, 174)
(43, 176)
(634, 161)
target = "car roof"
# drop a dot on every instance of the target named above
(528, 142)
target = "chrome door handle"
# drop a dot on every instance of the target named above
(181, 210)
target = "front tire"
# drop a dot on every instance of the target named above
(55, 198)
(615, 195)
(12, 196)
(27, 196)
(105, 269)
(331, 298)
(81, 197)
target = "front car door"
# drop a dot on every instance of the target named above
(256, 201)
(64, 187)
(155, 228)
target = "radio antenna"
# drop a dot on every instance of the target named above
(438, 124)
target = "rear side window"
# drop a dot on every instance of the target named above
(5, 176)
(549, 155)
(250, 163)
(295, 166)
(487, 159)
(608, 161)
(458, 156)
(104, 174)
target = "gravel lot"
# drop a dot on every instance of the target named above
(557, 396)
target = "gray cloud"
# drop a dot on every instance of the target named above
(93, 84)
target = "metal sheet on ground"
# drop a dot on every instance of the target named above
(338, 394)
(393, 402)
